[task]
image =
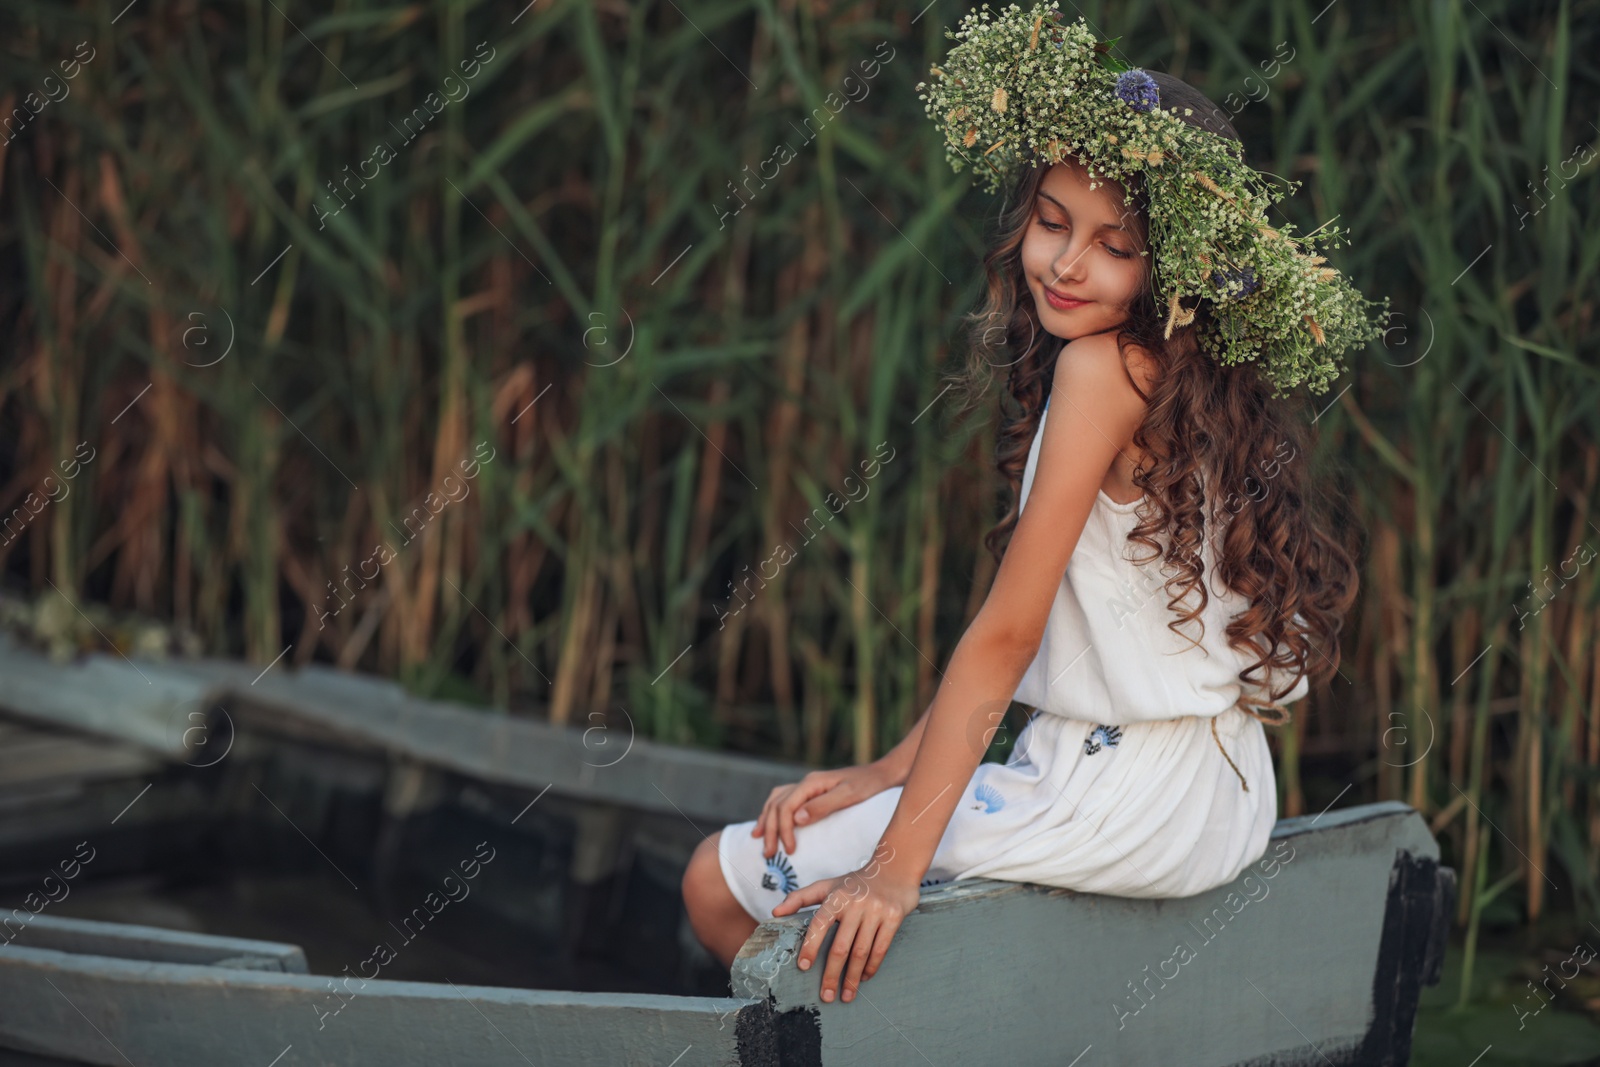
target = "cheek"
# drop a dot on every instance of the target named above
(1033, 255)
(1041, 255)
(1131, 276)
(1039, 274)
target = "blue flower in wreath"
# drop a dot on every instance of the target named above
(780, 874)
(1235, 283)
(1101, 736)
(988, 798)
(1138, 90)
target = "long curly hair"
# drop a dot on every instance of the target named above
(1280, 541)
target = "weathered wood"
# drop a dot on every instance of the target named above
(97, 1009)
(610, 766)
(156, 704)
(1313, 956)
(156, 944)
(104, 695)
(1319, 963)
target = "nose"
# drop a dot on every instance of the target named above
(1069, 266)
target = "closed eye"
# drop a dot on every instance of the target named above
(1057, 228)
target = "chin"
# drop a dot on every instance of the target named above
(1051, 320)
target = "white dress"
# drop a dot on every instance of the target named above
(1117, 785)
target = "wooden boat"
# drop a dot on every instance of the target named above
(569, 844)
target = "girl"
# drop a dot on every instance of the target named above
(1133, 608)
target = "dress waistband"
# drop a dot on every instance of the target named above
(1245, 704)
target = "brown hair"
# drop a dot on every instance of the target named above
(1278, 549)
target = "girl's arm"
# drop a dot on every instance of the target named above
(1094, 413)
(897, 761)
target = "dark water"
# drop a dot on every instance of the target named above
(518, 923)
(336, 927)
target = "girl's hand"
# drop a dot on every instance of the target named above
(869, 905)
(817, 794)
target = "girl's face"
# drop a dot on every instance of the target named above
(1081, 253)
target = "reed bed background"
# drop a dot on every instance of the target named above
(661, 383)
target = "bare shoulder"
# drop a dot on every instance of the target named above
(1094, 372)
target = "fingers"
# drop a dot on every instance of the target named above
(817, 794)
(859, 944)
(760, 828)
(816, 892)
(817, 805)
(803, 897)
(880, 946)
(769, 822)
(841, 952)
(826, 802)
(871, 933)
(784, 815)
(799, 795)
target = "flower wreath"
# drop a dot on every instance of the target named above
(1024, 87)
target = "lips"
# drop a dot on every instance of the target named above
(1060, 301)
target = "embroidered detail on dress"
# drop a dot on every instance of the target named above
(780, 875)
(1099, 736)
(989, 799)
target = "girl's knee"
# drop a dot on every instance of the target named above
(705, 854)
(703, 877)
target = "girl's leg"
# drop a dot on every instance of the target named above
(717, 917)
